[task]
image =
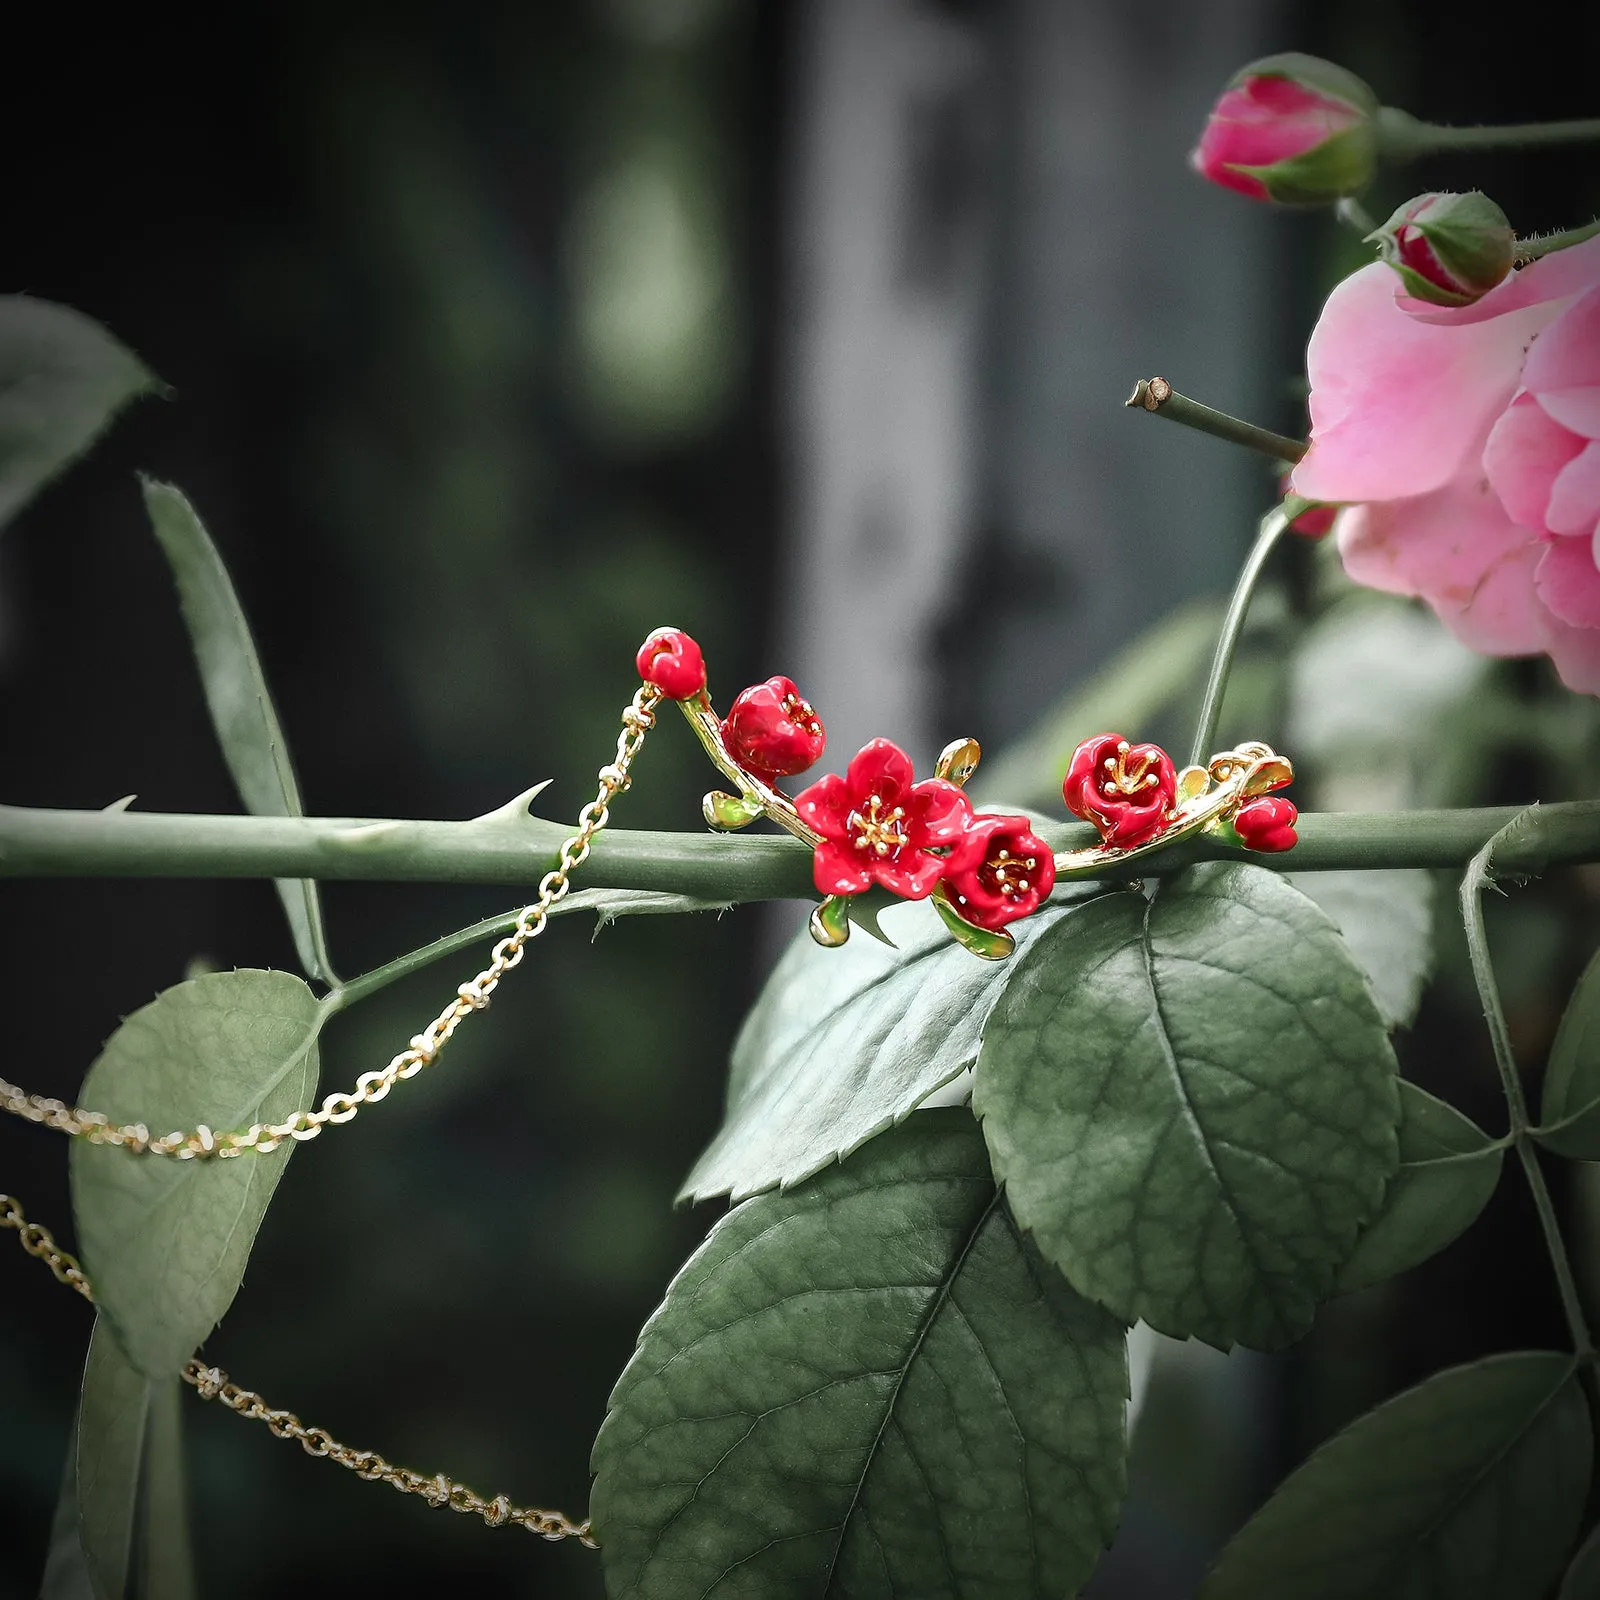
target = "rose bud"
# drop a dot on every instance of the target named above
(1125, 790)
(771, 731)
(1266, 823)
(1293, 129)
(1001, 870)
(671, 660)
(1449, 249)
(1315, 521)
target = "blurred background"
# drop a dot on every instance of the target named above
(500, 334)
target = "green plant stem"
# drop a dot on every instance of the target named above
(513, 848)
(1545, 244)
(1273, 527)
(1402, 137)
(1158, 397)
(1478, 875)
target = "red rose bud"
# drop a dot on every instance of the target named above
(1001, 870)
(1293, 129)
(671, 660)
(1314, 522)
(1125, 790)
(1266, 823)
(1449, 249)
(771, 731)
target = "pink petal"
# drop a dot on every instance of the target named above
(1522, 457)
(1396, 404)
(1576, 408)
(1575, 495)
(1557, 276)
(835, 869)
(1567, 354)
(826, 806)
(881, 768)
(1576, 654)
(1569, 582)
(1460, 552)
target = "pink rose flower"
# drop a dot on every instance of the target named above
(1465, 444)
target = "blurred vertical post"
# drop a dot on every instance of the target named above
(884, 308)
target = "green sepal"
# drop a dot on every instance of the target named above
(727, 813)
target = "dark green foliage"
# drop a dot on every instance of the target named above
(62, 379)
(121, 1526)
(1191, 1101)
(867, 1386)
(1448, 1169)
(165, 1242)
(844, 1043)
(236, 693)
(1469, 1486)
(1570, 1112)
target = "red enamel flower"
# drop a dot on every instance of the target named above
(1125, 790)
(772, 731)
(671, 660)
(1267, 823)
(879, 826)
(1000, 871)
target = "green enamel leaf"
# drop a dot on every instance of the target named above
(62, 379)
(236, 692)
(868, 1385)
(844, 1043)
(1191, 1101)
(1386, 918)
(164, 1241)
(1448, 1169)
(1471, 1485)
(1570, 1110)
(121, 1527)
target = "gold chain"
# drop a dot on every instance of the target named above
(262, 1138)
(210, 1383)
(39, 1242)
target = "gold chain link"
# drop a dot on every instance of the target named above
(38, 1241)
(210, 1383)
(262, 1138)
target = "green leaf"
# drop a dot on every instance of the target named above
(62, 379)
(121, 1525)
(1157, 668)
(1582, 1581)
(164, 1241)
(1386, 918)
(1570, 1111)
(237, 695)
(1470, 1486)
(1448, 1169)
(66, 1568)
(844, 1043)
(866, 1386)
(1191, 1102)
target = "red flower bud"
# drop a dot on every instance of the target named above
(671, 660)
(1449, 249)
(771, 731)
(1293, 129)
(1001, 870)
(1267, 823)
(1315, 521)
(1125, 791)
